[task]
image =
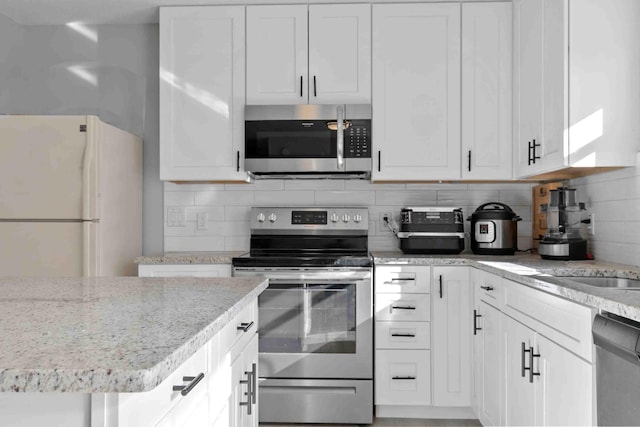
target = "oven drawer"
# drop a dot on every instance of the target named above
(404, 307)
(403, 377)
(410, 335)
(315, 401)
(402, 278)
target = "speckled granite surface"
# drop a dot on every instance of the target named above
(122, 334)
(190, 258)
(546, 275)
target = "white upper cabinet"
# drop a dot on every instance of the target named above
(416, 91)
(577, 71)
(202, 63)
(487, 137)
(299, 54)
(277, 55)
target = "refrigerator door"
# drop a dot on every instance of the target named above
(46, 167)
(42, 248)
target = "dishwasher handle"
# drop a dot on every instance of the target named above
(617, 335)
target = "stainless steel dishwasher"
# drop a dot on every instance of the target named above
(617, 341)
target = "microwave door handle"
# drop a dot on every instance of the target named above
(340, 137)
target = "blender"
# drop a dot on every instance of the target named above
(563, 239)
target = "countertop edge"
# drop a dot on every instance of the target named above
(118, 380)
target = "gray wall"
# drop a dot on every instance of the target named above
(106, 70)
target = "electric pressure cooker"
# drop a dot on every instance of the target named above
(494, 229)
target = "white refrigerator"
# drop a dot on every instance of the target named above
(70, 197)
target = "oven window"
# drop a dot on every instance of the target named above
(307, 318)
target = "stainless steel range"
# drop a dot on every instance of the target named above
(315, 318)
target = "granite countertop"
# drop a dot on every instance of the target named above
(545, 275)
(190, 258)
(106, 334)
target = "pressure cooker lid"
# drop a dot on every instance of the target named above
(494, 210)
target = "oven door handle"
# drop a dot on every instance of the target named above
(295, 277)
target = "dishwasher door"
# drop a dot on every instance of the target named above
(617, 341)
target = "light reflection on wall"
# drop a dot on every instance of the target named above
(85, 30)
(204, 97)
(83, 72)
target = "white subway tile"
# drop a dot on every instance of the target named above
(224, 198)
(214, 213)
(187, 230)
(314, 185)
(224, 228)
(438, 186)
(406, 198)
(258, 185)
(193, 243)
(284, 198)
(237, 213)
(466, 198)
(623, 253)
(368, 185)
(345, 198)
(383, 243)
(236, 243)
(171, 186)
(177, 198)
(510, 197)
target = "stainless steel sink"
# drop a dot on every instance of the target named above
(606, 282)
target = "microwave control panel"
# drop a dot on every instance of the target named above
(357, 142)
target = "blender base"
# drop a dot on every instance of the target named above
(566, 250)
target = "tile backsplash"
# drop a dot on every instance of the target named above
(225, 208)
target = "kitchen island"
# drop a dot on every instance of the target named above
(85, 345)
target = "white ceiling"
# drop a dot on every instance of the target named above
(57, 12)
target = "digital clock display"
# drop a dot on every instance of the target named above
(308, 217)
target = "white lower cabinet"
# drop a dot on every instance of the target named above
(423, 341)
(532, 356)
(451, 336)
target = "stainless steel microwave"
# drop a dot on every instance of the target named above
(308, 140)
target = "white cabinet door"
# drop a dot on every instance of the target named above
(519, 392)
(250, 362)
(488, 364)
(564, 386)
(340, 54)
(528, 89)
(277, 55)
(487, 137)
(416, 91)
(202, 93)
(451, 336)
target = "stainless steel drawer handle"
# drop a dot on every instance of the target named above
(402, 307)
(186, 389)
(249, 393)
(487, 288)
(403, 378)
(403, 335)
(244, 327)
(401, 279)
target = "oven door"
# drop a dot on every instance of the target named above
(315, 324)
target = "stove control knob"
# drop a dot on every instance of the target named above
(357, 218)
(273, 217)
(261, 217)
(346, 218)
(334, 217)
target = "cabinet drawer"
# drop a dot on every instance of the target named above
(404, 307)
(136, 409)
(563, 321)
(403, 377)
(409, 335)
(235, 329)
(402, 278)
(487, 287)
